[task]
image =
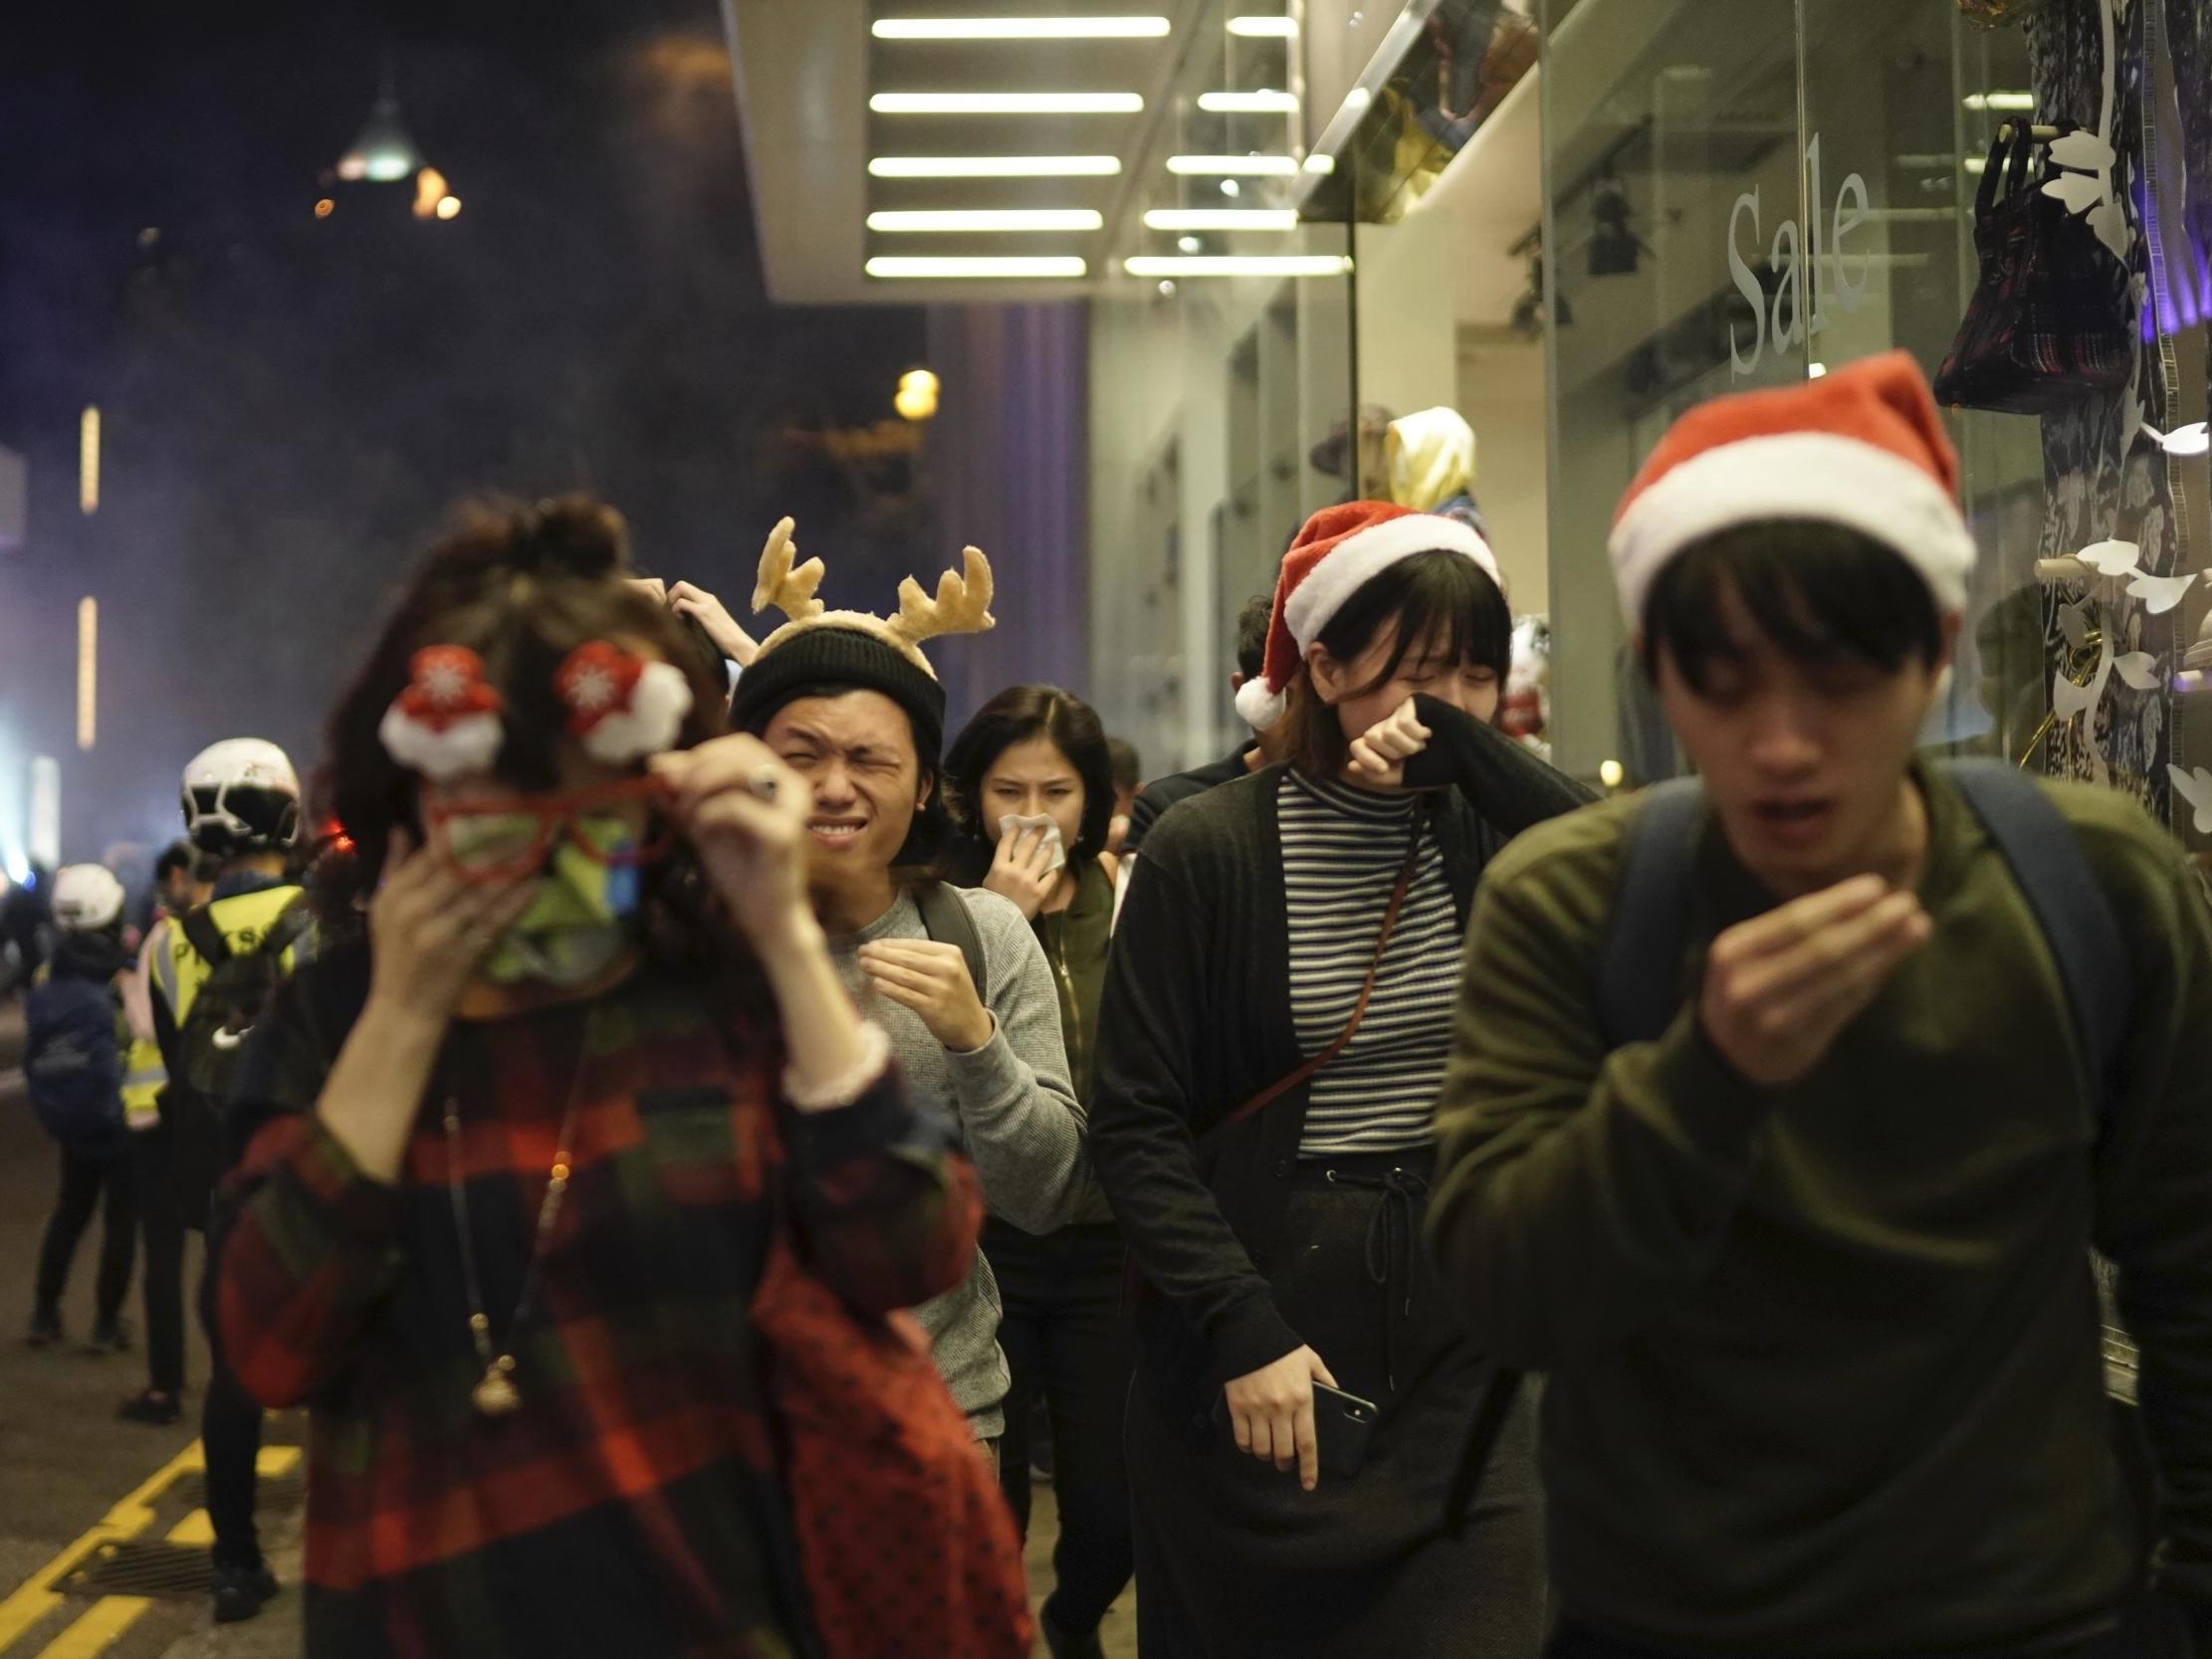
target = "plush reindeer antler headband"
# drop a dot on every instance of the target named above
(962, 604)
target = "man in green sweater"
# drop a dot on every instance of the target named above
(1810, 1271)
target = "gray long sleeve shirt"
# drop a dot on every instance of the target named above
(1019, 1124)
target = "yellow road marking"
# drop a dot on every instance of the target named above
(37, 1596)
(112, 1615)
(97, 1630)
(108, 1618)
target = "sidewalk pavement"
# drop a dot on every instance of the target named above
(277, 1635)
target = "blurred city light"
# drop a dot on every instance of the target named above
(87, 673)
(916, 399)
(88, 460)
(383, 153)
(325, 208)
(449, 207)
(41, 818)
(430, 190)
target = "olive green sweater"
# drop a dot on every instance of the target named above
(1825, 1361)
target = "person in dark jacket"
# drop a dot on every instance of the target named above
(1279, 1245)
(23, 925)
(1031, 787)
(1264, 749)
(87, 909)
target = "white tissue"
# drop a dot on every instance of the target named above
(1012, 824)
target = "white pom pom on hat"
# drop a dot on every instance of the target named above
(1340, 551)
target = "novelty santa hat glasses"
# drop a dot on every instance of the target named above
(1340, 551)
(447, 723)
(1862, 448)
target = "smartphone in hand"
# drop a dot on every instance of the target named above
(1343, 1425)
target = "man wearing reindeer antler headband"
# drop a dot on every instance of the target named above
(958, 978)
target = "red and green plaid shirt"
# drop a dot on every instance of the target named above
(632, 1506)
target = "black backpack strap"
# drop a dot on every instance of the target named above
(288, 929)
(1640, 969)
(205, 937)
(2054, 875)
(947, 919)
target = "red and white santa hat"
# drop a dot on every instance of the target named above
(1862, 447)
(1340, 549)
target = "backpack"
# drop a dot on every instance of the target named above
(1640, 976)
(946, 919)
(905, 1542)
(73, 1065)
(210, 1043)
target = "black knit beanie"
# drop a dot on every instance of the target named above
(815, 658)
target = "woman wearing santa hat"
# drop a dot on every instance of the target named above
(1273, 1037)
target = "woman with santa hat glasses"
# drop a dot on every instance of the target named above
(549, 1161)
(1273, 1033)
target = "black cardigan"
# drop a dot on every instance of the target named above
(1195, 1020)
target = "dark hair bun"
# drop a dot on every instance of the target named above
(575, 536)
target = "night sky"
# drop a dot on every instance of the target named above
(292, 404)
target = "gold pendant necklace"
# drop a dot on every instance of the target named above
(496, 1394)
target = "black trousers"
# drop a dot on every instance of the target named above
(1068, 1343)
(230, 1436)
(163, 1280)
(84, 1179)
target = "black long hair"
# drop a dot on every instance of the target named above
(1014, 716)
(1821, 593)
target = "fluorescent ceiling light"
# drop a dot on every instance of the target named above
(1269, 28)
(1233, 166)
(1249, 104)
(1320, 162)
(1007, 104)
(989, 219)
(1237, 265)
(1019, 28)
(1031, 266)
(994, 166)
(1221, 219)
(2020, 102)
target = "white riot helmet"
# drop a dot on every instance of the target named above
(241, 797)
(87, 899)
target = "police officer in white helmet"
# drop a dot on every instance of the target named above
(211, 970)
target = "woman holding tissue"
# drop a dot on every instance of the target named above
(1030, 785)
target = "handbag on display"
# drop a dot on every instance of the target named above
(2048, 322)
(1995, 13)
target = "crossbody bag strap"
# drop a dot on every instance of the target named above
(1313, 1068)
